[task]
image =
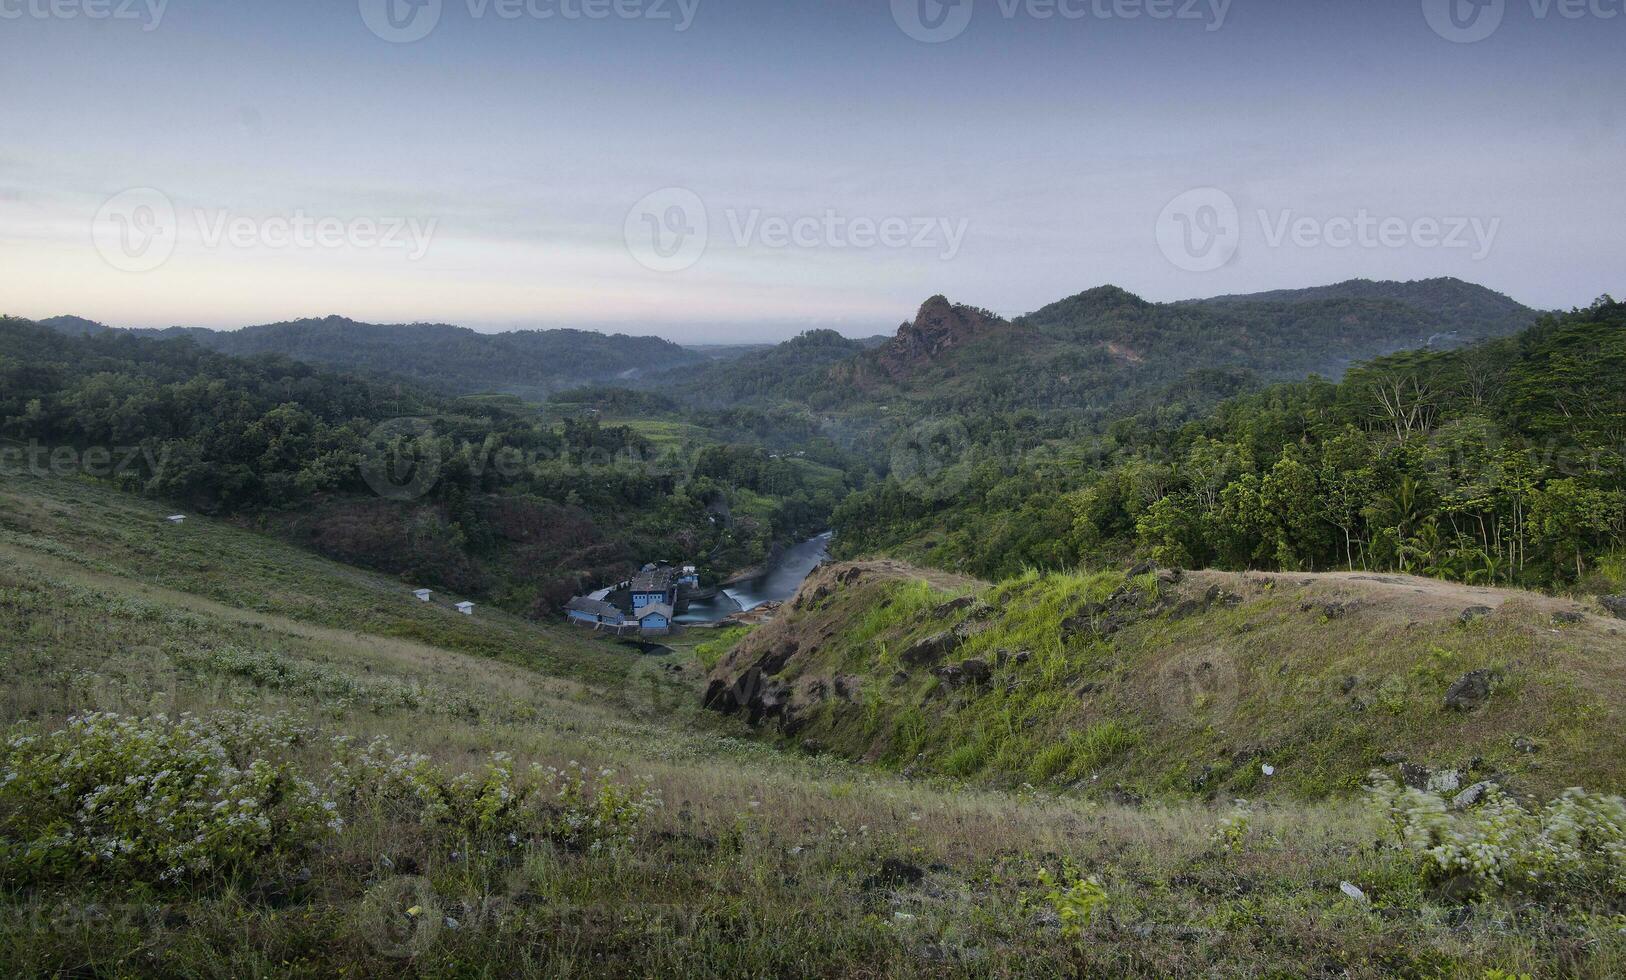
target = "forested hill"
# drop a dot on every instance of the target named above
(1463, 311)
(1106, 353)
(530, 363)
(1501, 463)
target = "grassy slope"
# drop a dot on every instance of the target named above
(1319, 677)
(759, 863)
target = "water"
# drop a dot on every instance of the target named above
(776, 584)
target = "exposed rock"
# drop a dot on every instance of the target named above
(1525, 745)
(899, 679)
(1616, 604)
(953, 606)
(775, 660)
(931, 650)
(1392, 758)
(1569, 617)
(1414, 775)
(976, 671)
(1444, 781)
(1021, 657)
(1470, 691)
(1168, 576)
(1474, 612)
(1330, 608)
(1471, 795)
(1142, 568)
(1352, 891)
(940, 326)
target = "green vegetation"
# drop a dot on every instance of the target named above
(1155, 688)
(485, 495)
(462, 840)
(453, 360)
(1495, 464)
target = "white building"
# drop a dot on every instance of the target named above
(466, 608)
(422, 594)
(175, 518)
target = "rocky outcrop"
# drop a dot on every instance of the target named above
(938, 328)
(1615, 604)
(1469, 691)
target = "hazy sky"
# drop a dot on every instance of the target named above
(561, 162)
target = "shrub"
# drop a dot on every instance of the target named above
(572, 805)
(154, 800)
(1076, 900)
(1576, 842)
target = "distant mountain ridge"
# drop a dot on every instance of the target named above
(450, 358)
(1106, 352)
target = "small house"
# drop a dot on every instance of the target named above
(654, 620)
(588, 611)
(466, 608)
(422, 594)
(176, 518)
(689, 577)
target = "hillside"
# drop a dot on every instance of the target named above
(442, 791)
(530, 363)
(1497, 463)
(1169, 685)
(1463, 311)
(1106, 353)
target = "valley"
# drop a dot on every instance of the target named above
(711, 855)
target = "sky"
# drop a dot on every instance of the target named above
(742, 170)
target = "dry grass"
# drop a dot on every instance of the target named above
(760, 863)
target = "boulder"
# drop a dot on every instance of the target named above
(1444, 781)
(976, 671)
(1414, 775)
(1525, 745)
(1615, 604)
(933, 649)
(1474, 612)
(953, 606)
(1472, 795)
(1469, 691)
(1569, 617)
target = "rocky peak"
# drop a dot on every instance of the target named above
(939, 326)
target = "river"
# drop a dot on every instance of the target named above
(777, 583)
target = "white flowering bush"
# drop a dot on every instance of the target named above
(573, 805)
(593, 811)
(155, 799)
(1576, 842)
